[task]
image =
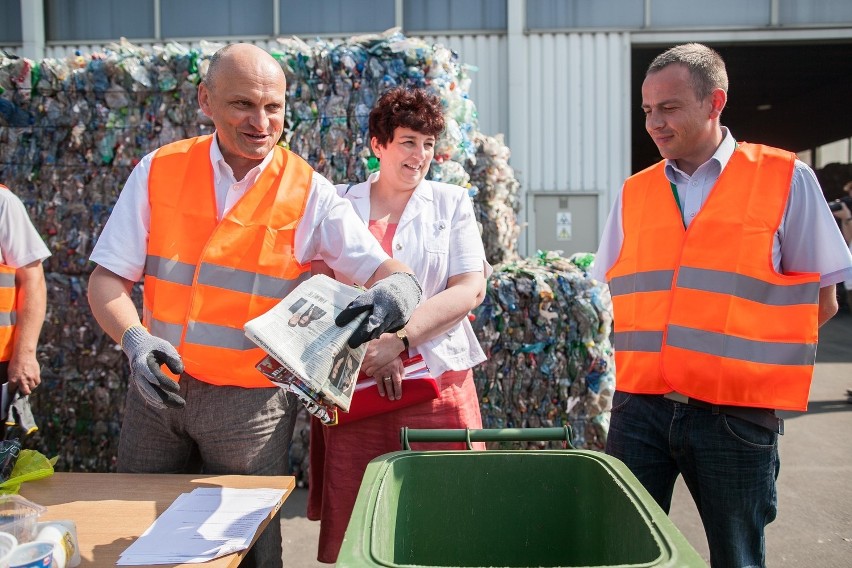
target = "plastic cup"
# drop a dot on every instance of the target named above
(63, 535)
(7, 543)
(33, 554)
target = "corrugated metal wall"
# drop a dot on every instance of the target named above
(578, 108)
(577, 134)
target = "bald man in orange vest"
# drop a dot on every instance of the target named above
(219, 228)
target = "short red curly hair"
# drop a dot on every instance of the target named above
(413, 108)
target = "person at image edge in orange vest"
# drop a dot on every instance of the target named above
(221, 227)
(23, 295)
(722, 260)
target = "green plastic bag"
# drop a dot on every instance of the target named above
(31, 465)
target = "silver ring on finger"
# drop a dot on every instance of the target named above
(387, 378)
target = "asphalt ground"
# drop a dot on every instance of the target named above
(814, 524)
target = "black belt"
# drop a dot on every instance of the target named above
(763, 417)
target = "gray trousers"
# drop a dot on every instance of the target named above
(222, 430)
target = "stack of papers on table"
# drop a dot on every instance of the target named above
(202, 525)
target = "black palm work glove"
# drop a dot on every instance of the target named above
(390, 301)
(146, 353)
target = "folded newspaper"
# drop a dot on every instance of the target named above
(308, 352)
(419, 386)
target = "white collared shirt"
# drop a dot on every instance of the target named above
(329, 228)
(807, 240)
(437, 237)
(20, 243)
(693, 190)
(228, 189)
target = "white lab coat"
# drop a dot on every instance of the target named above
(437, 237)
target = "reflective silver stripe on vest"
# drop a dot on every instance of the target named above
(170, 270)
(247, 282)
(722, 345)
(169, 331)
(651, 281)
(212, 335)
(746, 287)
(7, 318)
(638, 340)
(7, 280)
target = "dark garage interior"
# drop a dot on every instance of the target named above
(793, 96)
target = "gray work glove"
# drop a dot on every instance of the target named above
(20, 414)
(390, 301)
(146, 353)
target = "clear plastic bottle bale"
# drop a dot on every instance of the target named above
(449, 172)
(550, 361)
(138, 73)
(20, 80)
(448, 146)
(336, 142)
(497, 200)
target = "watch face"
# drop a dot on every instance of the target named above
(402, 336)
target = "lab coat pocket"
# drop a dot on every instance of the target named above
(436, 236)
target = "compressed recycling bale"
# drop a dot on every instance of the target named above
(497, 200)
(545, 326)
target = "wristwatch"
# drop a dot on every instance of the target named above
(403, 336)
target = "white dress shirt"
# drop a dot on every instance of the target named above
(20, 243)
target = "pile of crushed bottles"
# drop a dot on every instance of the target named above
(545, 326)
(72, 129)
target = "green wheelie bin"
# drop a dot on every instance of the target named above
(468, 508)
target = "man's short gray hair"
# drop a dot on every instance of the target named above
(213, 65)
(705, 65)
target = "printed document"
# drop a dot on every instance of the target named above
(202, 525)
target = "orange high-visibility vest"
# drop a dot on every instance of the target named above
(702, 311)
(204, 279)
(8, 302)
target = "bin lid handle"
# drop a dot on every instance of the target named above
(468, 435)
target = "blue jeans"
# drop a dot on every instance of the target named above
(729, 465)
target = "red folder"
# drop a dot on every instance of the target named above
(417, 386)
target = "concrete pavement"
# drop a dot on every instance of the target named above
(814, 524)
